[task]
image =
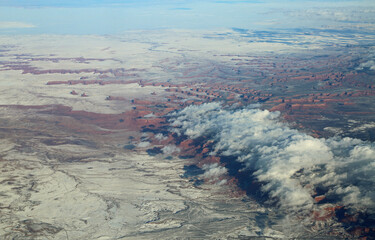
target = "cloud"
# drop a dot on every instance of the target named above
(160, 137)
(364, 127)
(214, 171)
(267, 22)
(292, 165)
(345, 15)
(6, 25)
(334, 130)
(150, 115)
(143, 144)
(169, 149)
(369, 64)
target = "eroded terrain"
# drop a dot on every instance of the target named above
(89, 149)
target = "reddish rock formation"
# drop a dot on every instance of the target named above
(187, 143)
(142, 102)
(319, 198)
(326, 213)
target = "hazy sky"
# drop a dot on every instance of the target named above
(116, 16)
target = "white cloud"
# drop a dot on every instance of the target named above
(170, 149)
(364, 127)
(6, 25)
(369, 64)
(143, 144)
(284, 159)
(213, 171)
(359, 15)
(150, 115)
(160, 137)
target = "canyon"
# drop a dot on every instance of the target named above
(88, 148)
